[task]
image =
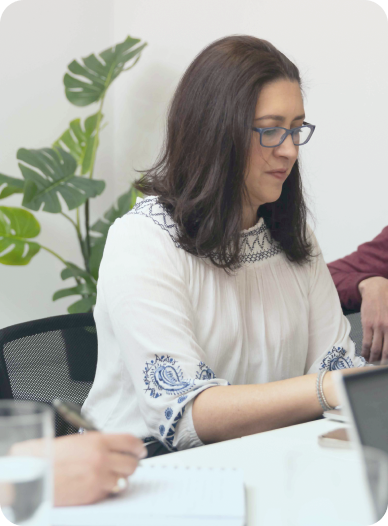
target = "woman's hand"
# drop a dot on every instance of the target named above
(87, 467)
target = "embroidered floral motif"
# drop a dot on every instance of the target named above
(164, 374)
(205, 373)
(171, 432)
(256, 245)
(168, 413)
(181, 399)
(162, 429)
(336, 359)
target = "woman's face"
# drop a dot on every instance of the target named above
(281, 99)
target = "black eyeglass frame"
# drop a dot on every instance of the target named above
(285, 135)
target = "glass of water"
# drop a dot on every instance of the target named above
(26, 479)
(340, 487)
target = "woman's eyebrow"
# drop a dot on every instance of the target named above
(279, 118)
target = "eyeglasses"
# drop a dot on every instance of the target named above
(275, 136)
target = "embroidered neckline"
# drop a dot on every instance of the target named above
(256, 242)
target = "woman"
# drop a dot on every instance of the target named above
(216, 280)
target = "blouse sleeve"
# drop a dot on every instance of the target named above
(143, 282)
(330, 345)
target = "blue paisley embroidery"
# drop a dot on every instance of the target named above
(181, 399)
(205, 373)
(171, 432)
(335, 360)
(164, 374)
(168, 413)
(162, 429)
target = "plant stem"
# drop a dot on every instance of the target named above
(79, 235)
(55, 254)
(61, 259)
(87, 237)
(87, 228)
(70, 219)
(78, 223)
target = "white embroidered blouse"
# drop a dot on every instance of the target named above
(170, 325)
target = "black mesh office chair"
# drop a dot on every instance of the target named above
(50, 358)
(356, 330)
(354, 318)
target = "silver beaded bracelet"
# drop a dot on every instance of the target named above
(321, 397)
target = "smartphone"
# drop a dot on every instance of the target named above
(336, 414)
(337, 438)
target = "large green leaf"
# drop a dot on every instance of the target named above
(82, 289)
(80, 142)
(72, 271)
(124, 204)
(57, 167)
(99, 74)
(12, 185)
(83, 305)
(17, 227)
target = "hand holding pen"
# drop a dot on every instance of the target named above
(88, 467)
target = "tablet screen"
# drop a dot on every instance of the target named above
(368, 398)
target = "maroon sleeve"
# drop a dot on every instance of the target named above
(370, 259)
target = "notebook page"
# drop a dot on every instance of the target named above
(167, 495)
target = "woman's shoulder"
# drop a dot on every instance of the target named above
(155, 216)
(147, 219)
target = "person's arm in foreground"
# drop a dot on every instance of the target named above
(362, 283)
(87, 467)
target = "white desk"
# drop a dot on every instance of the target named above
(289, 478)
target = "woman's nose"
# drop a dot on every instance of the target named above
(288, 147)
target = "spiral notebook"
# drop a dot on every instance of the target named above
(173, 496)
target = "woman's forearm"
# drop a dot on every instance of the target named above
(223, 413)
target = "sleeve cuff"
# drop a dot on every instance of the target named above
(186, 436)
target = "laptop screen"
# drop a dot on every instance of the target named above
(368, 399)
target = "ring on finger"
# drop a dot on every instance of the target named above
(120, 485)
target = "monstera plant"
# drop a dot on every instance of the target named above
(66, 168)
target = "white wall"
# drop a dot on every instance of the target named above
(38, 39)
(340, 47)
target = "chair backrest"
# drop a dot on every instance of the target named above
(356, 330)
(50, 358)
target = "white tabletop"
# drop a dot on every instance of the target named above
(290, 479)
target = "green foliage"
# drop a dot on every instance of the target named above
(17, 227)
(61, 170)
(100, 73)
(81, 142)
(11, 186)
(58, 168)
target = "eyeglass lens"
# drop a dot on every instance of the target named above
(274, 136)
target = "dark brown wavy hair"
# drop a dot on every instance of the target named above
(199, 175)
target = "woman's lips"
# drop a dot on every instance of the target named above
(279, 175)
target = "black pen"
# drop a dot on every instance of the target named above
(72, 414)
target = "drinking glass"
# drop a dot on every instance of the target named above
(337, 487)
(26, 432)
